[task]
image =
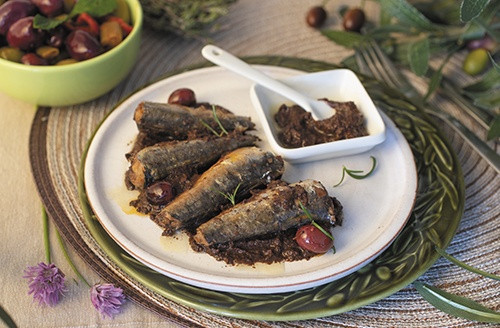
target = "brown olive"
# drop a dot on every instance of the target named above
(33, 59)
(160, 193)
(312, 239)
(316, 16)
(182, 96)
(486, 42)
(353, 20)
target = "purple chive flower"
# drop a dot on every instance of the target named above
(107, 299)
(46, 283)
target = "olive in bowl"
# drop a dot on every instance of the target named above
(36, 77)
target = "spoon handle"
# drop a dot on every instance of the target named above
(224, 59)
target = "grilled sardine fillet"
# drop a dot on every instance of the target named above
(243, 168)
(177, 122)
(156, 162)
(270, 211)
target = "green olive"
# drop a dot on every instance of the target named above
(122, 11)
(11, 54)
(47, 52)
(68, 5)
(67, 61)
(475, 61)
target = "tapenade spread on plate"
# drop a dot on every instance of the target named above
(220, 188)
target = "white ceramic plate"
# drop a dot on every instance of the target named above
(375, 209)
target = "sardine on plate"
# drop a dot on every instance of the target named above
(270, 211)
(179, 122)
(240, 170)
(156, 162)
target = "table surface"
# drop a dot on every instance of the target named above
(251, 28)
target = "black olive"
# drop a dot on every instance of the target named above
(316, 16)
(353, 20)
(182, 96)
(160, 193)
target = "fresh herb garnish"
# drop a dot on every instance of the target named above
(231, 196)
(320, 228)
(356, 173)
(216, 118)
(95, 8)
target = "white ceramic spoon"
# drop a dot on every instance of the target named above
(319, 109)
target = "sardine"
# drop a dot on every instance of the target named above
(156, 162)
(240, 170)
(179, 122)
(270, 211)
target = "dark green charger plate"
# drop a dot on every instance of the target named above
(436, 215)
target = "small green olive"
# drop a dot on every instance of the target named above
(66, 61)
(475, 61)
(47, 52)
(11, 54)
(122, 11)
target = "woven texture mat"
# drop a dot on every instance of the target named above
(59, 136)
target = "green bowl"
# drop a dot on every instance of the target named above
(74, 83)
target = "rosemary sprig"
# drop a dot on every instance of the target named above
(320, 228)
(465, 266)
(230, 196)
(356, 173)
(216, 118)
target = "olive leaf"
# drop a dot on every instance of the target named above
(45, 23)
(418, 56)
(465, 266)
(494, 130)
(456, 305)
(490, 80)
(95, 8)
(488, 100)
(407, 14)
(495, 64)
(344, 38)
(6, 318)
(470, 9)
(437, 76)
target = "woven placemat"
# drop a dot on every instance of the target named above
(59, 136)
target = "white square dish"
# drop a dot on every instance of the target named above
(337, 85)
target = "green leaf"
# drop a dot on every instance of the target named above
(6, 318)
(407, 14)
(455, 305)
(461, 264)
(344, 38)
(434, 83)
(418, 56)
(490, 80)
(385, 30)
(95, 8)
(470, 9)
(494, 130)
(495, 64)
(488, 100)
(45, 23)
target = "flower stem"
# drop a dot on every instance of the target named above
(46, 240)
(68, 258)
